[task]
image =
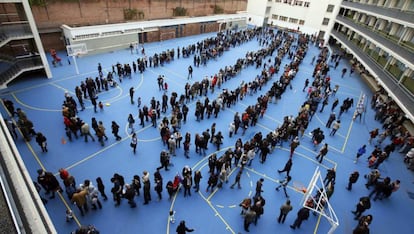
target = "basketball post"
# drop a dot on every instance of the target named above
(320, 204)
(76, 64)
(76, 50)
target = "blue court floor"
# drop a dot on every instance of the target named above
(207, 212)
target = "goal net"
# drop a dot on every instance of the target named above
(316, 200)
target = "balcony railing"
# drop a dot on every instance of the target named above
(404, 97)
(18, 67)
(14, 32)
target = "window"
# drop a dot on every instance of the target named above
(275, 17)
(301, 22)
(330, 8)
(306, 4)
(283, 18)
(293, 20)
(298, 3)
(325, 21)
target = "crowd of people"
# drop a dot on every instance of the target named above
(235, 159)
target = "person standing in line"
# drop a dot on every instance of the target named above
(284, 184)
(12, 128)
(287, 168)
(303, 214)
(330, 176)
(134, 142)
(85, 130)
(334, 104)
(182, 228)
(249, 217)
(158, 187)
(79, 198)
(190, 72)
(164, 160)
(360, 152)
(172, 145)
(102, 130)
(344, 70)
(115, 130)
(136, 184)
(101, 188)
(237, 180)
(130, 195)
(131, 94)
(335, 127)
(372, 135)
(197, 179)
(147, 187)
(324, 103)
(284, 210)
(42, 141)
(131, 122)
(363, 205)
(259, 185)
(293, 145)
(353, 178)
(187, 183)
(331, 118)
(306, 85)
(322, 152)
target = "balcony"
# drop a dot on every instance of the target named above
(400, 94)
(14, 32)
(392, 48)
(12, 69)
(394, 15)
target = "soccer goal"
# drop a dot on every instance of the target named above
(316, 200)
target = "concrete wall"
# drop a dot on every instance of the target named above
(112, 11)
(81, 13)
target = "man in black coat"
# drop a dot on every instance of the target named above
(353, 178)
(287, 168)
(303, 214)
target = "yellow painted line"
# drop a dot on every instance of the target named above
(315, 231)
(53, 81)
(228, 227)
(31, 107)
(96, 153)
(172, 208)
(43, 168)
(206, 157)
(350, 127)
(319, 119)
(69, 208)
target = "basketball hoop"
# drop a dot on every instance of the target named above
(299, 187)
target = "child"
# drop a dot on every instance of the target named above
(101, 106)
(69, 215)
(165, 86)
(172, 216)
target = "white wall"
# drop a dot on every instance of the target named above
(312, 15)
(256, 10)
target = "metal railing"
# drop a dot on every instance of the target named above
(19, 66)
